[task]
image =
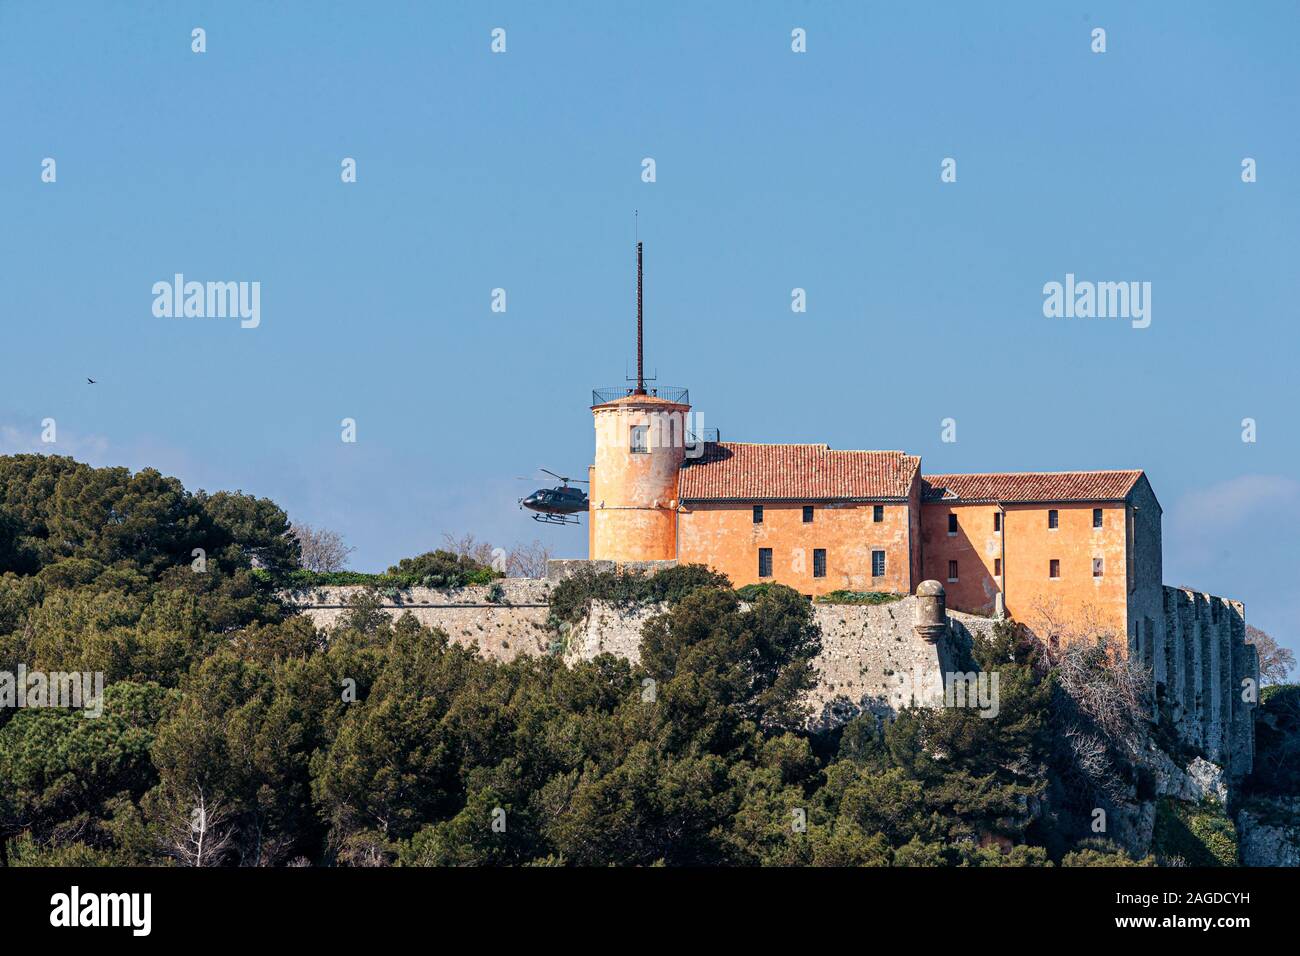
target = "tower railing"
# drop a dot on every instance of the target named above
(599, 396)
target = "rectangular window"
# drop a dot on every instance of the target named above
(952, 524)
(997, 521)
(878, 513)
(1096, 517)
(819, 562)
(1053, 519)
(764, 562)
(640, 443)
(758, 514)
(997, 567)
(877, 564)
(807, 514)
(952, 570)
(1096, 567)
(1054, 568)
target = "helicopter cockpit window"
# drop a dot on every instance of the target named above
(640, 444)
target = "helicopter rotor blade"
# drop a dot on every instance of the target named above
(567, 481)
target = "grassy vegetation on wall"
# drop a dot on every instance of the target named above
(859, 597)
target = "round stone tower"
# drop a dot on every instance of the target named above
(640, 446)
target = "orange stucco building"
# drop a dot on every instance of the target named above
(1071, 555)
(1067, 551)
(1071, 552)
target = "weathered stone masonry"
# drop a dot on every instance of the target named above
(1207, 673)
(874, 657)
(513, 623)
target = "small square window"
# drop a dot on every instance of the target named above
(819, 562)
(764, 562)
(1054, 568)
(997, 521)
(758, 514)
(807, 514)
(877, 513)
(640, 443)
(1053, 518)
(997, 567)
(877, 564)
(952, 570)
(952, 524)
(1096, 517)
(1096, 567)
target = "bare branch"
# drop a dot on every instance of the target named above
(322, 550)
(528, 561)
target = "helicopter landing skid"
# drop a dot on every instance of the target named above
(556, 519)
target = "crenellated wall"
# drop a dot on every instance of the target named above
(1208, 674)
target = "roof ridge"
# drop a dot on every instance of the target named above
(815, 444)
(994, 474)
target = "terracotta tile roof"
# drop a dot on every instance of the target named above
(1031, 486)
(751, 472)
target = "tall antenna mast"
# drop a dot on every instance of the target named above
(640, 363)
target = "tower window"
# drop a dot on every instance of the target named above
(758, 514)
(807, 514)
(819, 562)
(997, 521)
(997, 567)
(1096, 567)
(1096, 517)
(764, 562)
(1054, 568)
(877, 513)
(1053, 518)
(877, 564)
(952, 524)
(640, 442)
(952, 571)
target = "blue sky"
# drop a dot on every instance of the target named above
(775, 170)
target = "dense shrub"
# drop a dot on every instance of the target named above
(442, 569)
(571, 598)
(435, 569)
(1100, 852)
(1277, 742)
(1194, 834)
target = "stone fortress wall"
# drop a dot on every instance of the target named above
(501, 624)
(1203, 667)
(873, 658)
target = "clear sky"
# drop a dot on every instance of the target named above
(774, 169)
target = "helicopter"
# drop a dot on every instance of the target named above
(556, 505)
